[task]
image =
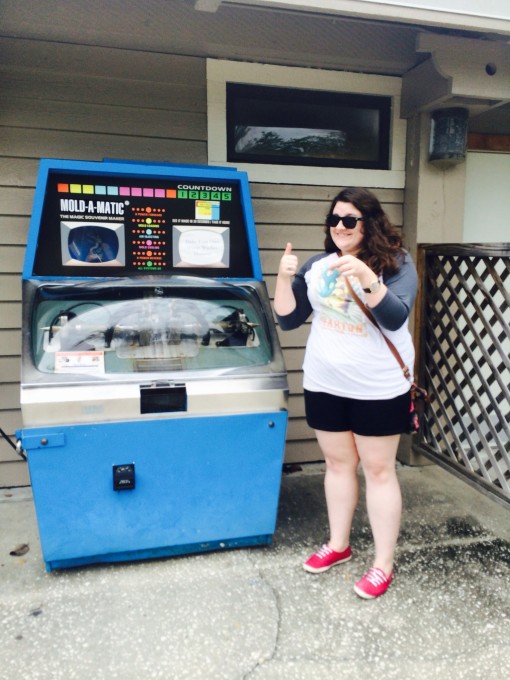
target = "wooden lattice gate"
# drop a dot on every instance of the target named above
(464, 361)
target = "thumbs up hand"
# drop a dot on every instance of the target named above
(288, 264)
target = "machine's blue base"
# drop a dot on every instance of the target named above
(168, 551)
(200, 483)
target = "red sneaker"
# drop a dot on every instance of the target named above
(325, 558)
(374, 583)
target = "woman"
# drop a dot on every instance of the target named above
(356, 397)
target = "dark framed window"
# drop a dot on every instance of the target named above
(284, 126)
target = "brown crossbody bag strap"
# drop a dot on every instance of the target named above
(369, 314)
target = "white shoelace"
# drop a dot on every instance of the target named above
(324, 551)
(376, 576)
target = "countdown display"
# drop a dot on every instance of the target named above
(118, 225)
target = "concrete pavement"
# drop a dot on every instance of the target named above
(254, 614)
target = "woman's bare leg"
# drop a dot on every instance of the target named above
(340, 484)
(384, 499)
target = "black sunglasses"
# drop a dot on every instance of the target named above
(349, 221)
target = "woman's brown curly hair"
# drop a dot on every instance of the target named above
(381, 247)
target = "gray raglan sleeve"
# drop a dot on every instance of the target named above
(393, 310)
(303, 306)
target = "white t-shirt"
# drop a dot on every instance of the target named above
(346, 354)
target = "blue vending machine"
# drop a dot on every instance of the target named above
(153, 391)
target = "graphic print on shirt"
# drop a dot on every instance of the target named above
(338, 312)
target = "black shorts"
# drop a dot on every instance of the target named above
(371, 418)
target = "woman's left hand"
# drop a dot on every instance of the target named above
(348, 265)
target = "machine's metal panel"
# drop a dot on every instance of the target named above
(106, 403)
(199, 483)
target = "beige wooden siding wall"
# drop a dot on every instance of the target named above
(79, 102)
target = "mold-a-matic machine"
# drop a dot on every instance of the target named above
(153, 388)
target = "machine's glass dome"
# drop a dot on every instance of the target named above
(97, 330)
